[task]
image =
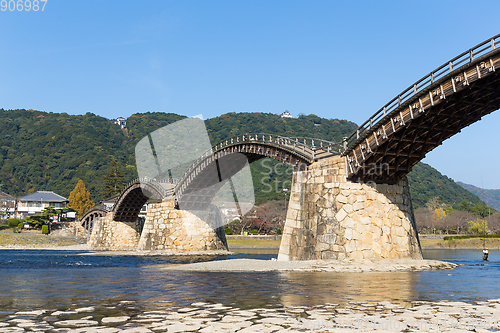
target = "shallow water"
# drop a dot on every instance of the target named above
(31, 279)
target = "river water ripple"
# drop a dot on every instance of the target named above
(32, 279)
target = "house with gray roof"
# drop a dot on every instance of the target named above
(7, 205)
(34, 203)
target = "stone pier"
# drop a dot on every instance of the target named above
(112, 235)
(167, 228)
(330, 217)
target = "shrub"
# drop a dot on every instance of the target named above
(20, 226)
(254, 232)
(45, 229)
(228, 231)
(13, 223)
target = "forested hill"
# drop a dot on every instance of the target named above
(427, 183)
(51, 151)
(490, 197)
(312, 126)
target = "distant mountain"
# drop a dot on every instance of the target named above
(490, 197)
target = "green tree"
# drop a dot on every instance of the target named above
(37, 220)
(479, 226)
(13, 223)
(80, 199)
(482, 210)
(113, 180)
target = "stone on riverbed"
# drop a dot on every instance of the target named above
(11, 329)
(34, 313)
(60, 313)
(76, 323)
(115, 320)
(86, 309)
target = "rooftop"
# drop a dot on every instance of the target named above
(6, 196)
(111, 199)
(43, 196)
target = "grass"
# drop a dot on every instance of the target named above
(470, 236)
(4, 226)
(8, 238)
(253, 242)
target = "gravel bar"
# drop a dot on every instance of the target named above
(349, 265)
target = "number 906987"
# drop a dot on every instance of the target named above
(22, 5)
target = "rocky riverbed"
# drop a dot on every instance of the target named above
(419, 316)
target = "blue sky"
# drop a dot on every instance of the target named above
(336, 59)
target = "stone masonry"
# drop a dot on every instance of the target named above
(330, 217)
(167, 228)
(111, 235)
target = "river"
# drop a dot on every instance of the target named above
(33, 279)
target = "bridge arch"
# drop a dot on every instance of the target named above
(135, 195)
(386, 147)
(88, 219)
(208, 174)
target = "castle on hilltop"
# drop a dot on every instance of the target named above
(121, 121)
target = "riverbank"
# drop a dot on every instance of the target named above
(460, 244)
(204, 317)
(428, 242)
(25, 240)
(10, 240)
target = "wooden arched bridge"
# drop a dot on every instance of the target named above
(201, 181)
(383, 150)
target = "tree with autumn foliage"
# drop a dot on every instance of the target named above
(80, 199)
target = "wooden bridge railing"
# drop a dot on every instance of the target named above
(421, 85)
(310, 148)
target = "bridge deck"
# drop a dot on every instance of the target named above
(386, 147)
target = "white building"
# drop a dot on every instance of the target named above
(121, 121)
(286, 114)
(7, 205)
(34, 203)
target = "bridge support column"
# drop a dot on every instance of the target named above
(112, 235)
(79, 229)
(330, 217)
(167, 228)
